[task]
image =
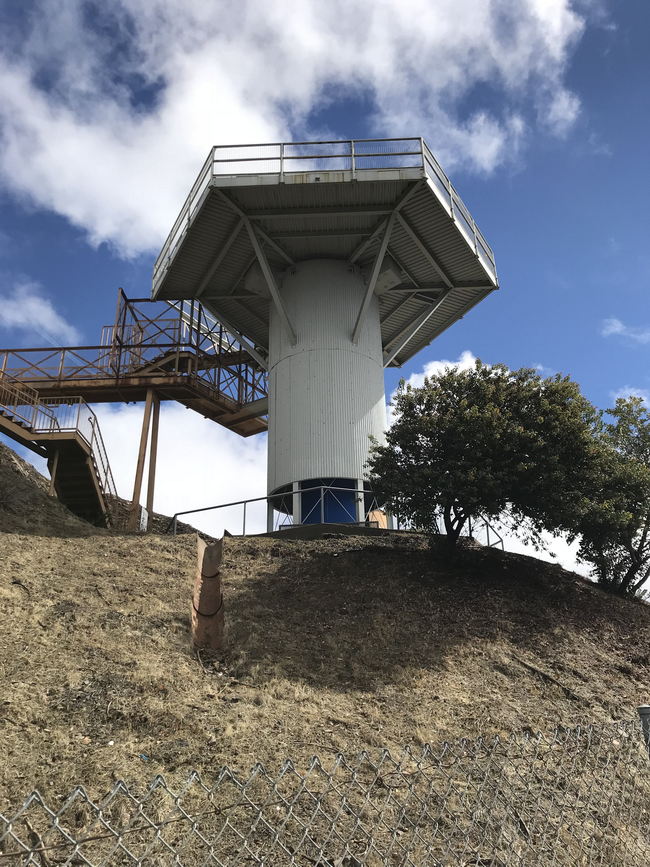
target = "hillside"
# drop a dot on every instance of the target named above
(336, 645)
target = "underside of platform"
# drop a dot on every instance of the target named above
(404, 226)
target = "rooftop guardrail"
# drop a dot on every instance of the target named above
(352, 155)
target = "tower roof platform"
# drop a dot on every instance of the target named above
(384, 205)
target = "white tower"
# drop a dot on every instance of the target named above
(329, 261)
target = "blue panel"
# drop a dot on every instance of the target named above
(339, 507)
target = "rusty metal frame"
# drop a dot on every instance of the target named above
(150, 340)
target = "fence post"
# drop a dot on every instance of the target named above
(207, 600)
(644, 713)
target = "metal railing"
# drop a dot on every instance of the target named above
(352, 156)
(282, 506)
(19, 402)
(367, 511)
(150, 339)
(22, 404)
(577, 796)
(99, 454)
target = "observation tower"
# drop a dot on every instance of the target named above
(328, 261)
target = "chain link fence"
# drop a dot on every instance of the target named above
(576, 797)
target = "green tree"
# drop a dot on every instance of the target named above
(616, 529)
(490, 441)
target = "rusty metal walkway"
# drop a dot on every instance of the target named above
(65, 431)
(178, 351)
(154, 351)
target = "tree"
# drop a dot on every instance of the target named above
(616, 529)
(489, 440)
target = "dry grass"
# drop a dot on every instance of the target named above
(336, 645)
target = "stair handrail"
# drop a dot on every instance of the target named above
(15, 394)
(100, 455)
(67, 363)
(86, 425)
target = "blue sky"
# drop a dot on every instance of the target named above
(538, 109)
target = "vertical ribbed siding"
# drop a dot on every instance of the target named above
(326, 395)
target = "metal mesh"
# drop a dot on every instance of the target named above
(576, 797)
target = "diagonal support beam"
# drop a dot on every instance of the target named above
(421, 288)
(422, 247)
(376, 268)
(406, 334)
(363, 246)
(270, 281)
(218, 259)
(269, 240)
(242, 275)
(395, 309)
(402, 266)
(246, 344)
(252, 313)
(275, 246)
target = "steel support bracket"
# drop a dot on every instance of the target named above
(372, 282)
(422, 247)
(400, 340)
(270, 281)
(218, 259)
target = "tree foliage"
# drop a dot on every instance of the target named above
(616, 529)
(489, 440)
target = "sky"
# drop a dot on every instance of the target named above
(537, 109)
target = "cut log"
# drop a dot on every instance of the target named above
(207, 599)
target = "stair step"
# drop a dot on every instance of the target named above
(13, 420)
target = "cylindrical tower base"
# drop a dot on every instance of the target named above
(326, 393)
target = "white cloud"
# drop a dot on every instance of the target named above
(76, 140)
(631, 391)
(543, 370)
(562, 112)
(466, 361)
(199, 464)
(631, 332)
(24, 308)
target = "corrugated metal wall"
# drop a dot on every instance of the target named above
(326, 395)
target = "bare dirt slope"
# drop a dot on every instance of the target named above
(336, 645)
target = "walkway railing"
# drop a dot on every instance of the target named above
(279, 510)
(149, 339)
(281, 507)
(22, 404)
(352, 156)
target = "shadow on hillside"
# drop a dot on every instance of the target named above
(357, 619)
(47, 526)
